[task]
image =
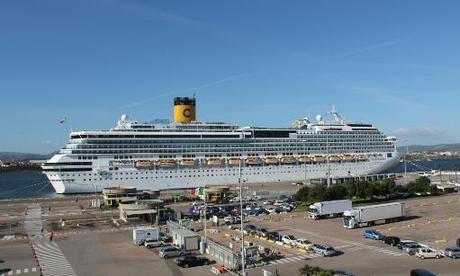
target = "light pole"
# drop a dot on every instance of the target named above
(305, 163)
(405, 156)
(240, 183)
(327, 159)
(205, 218)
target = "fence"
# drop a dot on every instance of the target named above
(224, 255)
(218, 252)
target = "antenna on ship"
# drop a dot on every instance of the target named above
(336, 115)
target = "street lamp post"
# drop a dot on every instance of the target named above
(305, 163)
(243, 261)
(405, 156)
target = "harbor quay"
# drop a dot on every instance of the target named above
(89, 238)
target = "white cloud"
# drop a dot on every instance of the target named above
(47, 142)
(422, 135)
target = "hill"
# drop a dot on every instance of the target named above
(22, 156)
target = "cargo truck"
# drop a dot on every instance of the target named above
(143, 234)
(328, 208)
(371, 214)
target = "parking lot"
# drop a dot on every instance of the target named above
(432, 221)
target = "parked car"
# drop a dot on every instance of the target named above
(278, 202)
(342, 273)
(411, 248)
(391, 240)
(404, 242)
(289, 240)
(191, 261)
(249, 229)
(323, 249)
(170, 251)
(271, 210)
(274, 236)
(452, 252)
(268, 202)
(262, 232)
(232, 220)
(421, 272)
(372, 234)
(425, 253)
(304, 244)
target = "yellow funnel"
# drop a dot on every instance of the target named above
(184, 110)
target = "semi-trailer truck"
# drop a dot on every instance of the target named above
(328, 208)
(371, 214)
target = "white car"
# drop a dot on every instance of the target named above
(278, 202)
(426, 253)
(304, 244)
(271, 210)
(289, 240)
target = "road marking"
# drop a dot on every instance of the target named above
(49, 256)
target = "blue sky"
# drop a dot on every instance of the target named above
(392, 63)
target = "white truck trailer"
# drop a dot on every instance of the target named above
(371, 214)
(143, 234)
(328, 208)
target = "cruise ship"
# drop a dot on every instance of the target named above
(187, 153)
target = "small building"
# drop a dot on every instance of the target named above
(215, 194)
(146, 210)
(113, 196)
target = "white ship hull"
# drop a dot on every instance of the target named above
(180, 178)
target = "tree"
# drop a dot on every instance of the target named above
(351, 188)
(420, 185)
(317, 193)
(335, 192)
(307, 270)
(303, 193)
(361, 189)
(389, 186)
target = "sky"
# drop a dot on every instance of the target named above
(395, 64)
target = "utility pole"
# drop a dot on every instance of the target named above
(205, 218)
(327, 160)
(243, 255)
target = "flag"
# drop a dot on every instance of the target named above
(63, 121)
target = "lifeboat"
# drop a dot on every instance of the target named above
(318, 159)
(271, 160)
(234, 161)
(187, 162)
(166, 163)
(214, 162)
(304, 159)
(362, 157)
(334, 158)
(288, 160)
(253, 161)
(347, 158)
(144, 164)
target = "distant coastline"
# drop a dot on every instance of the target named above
(28, 167)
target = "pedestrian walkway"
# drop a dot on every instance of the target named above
(51, 260)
